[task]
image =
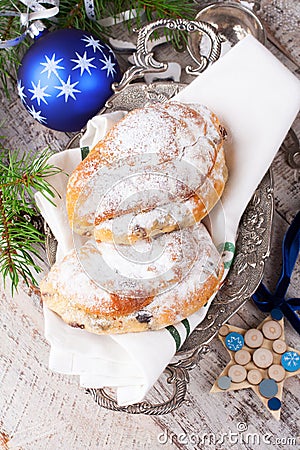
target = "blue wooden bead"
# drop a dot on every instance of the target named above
(268, 388)
(224, 382)
(276, 314)
(234, 341)
(274, 404)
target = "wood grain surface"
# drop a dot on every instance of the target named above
(41, 410)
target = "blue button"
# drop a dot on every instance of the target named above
(276, 314)
(290, 361)
(268, 388)
(234, 341)
(274, 404)
(224, 382)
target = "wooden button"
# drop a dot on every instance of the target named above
(279, 346)
(253, 338)
(271, 330)
(224, 330)
(268, 388)
(237, 373)
(254, 376)
(276, 372)
(262, 358)
(242, 357)
(234, 341)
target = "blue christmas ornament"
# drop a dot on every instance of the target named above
(65, 78)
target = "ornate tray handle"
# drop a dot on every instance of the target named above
(177, 375)
(145, 62)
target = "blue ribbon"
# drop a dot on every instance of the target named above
(263, 297)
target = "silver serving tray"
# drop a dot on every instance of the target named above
(253, 241)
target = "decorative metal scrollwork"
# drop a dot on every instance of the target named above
(145, 62)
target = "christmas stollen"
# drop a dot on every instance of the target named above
(165, 279)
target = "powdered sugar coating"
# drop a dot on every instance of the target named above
(165, 217)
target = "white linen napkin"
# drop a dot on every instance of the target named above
(257, 99)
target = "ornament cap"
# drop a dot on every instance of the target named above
(37, 29)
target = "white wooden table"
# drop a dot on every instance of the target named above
(44, 410)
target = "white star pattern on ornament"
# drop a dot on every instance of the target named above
(83, 63)
(67, 89)
(108, 65)
(39, 93)
(20, 91)
(37, 115)
(52, 66)
(91, 42)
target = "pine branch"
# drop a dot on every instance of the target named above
(20, 241)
